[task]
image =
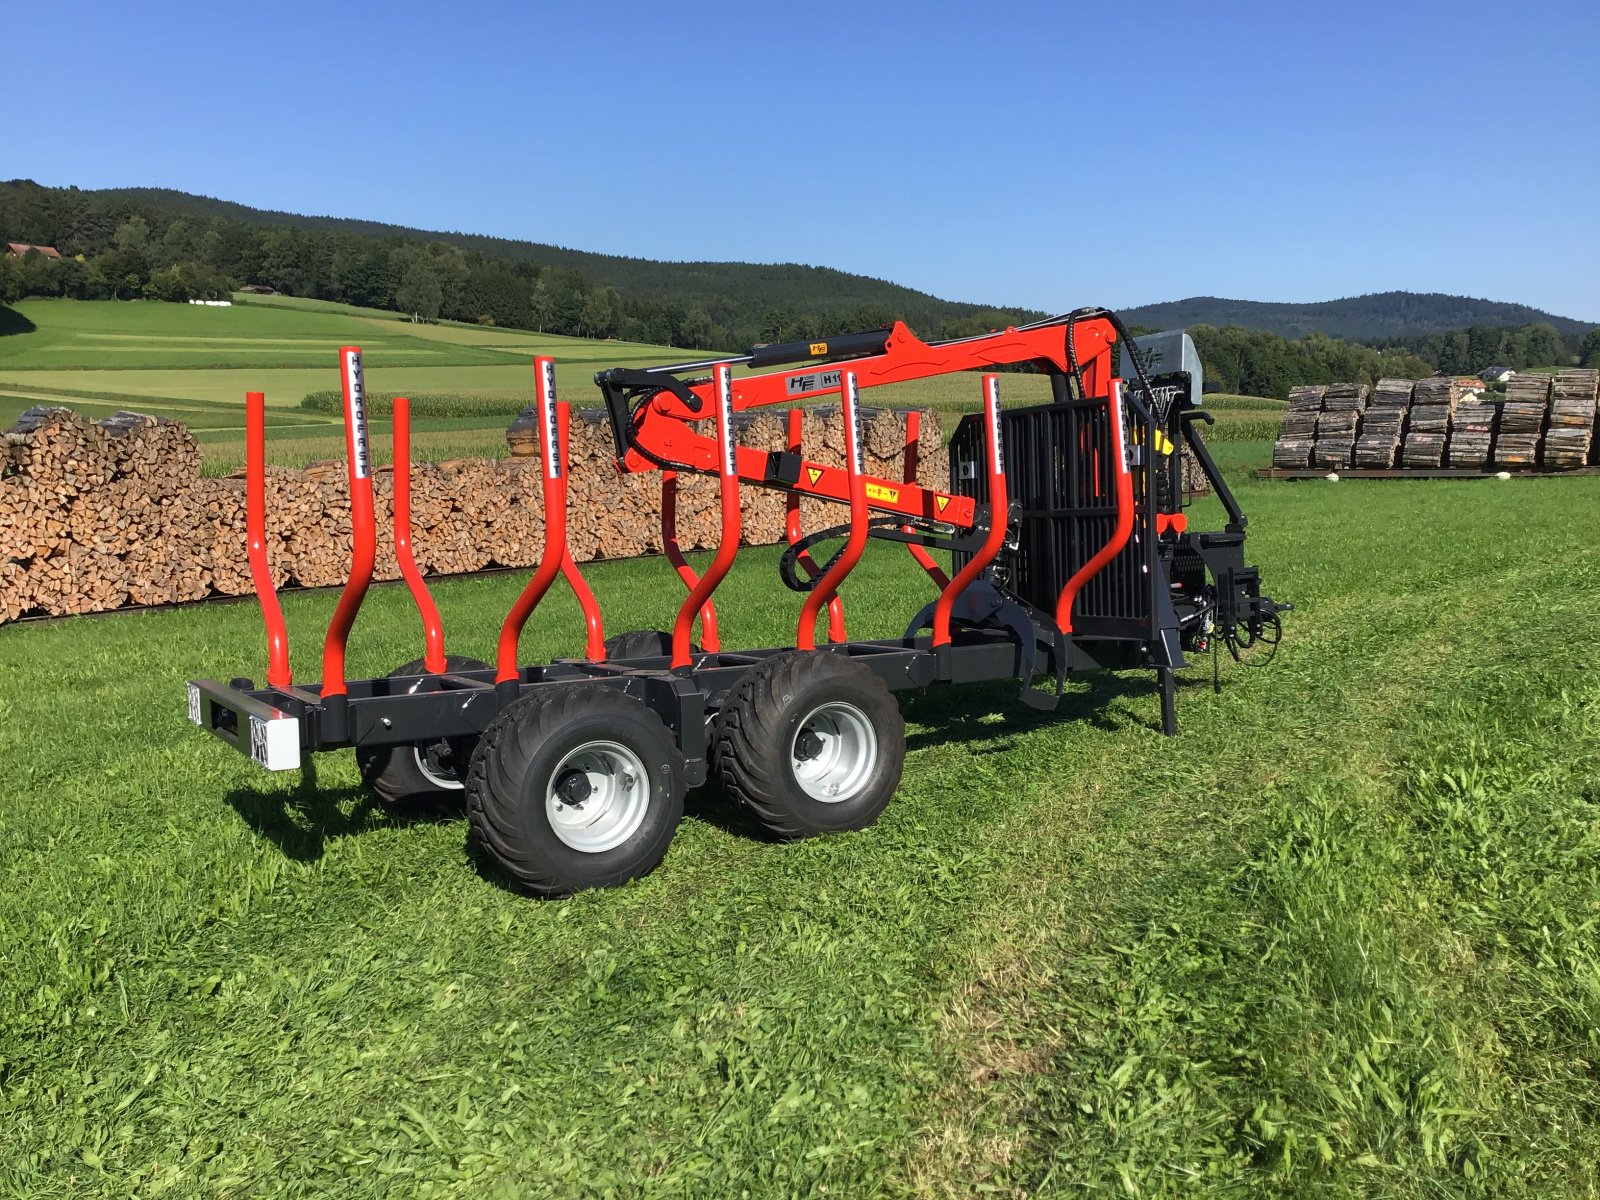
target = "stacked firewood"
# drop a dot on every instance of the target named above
(96, 516)
(1433, 403)
(1383, 424)
(1472, 432)
(1570, 434)
(1522, 419)
(1342, 406)
(93, 516)
(1298, 434)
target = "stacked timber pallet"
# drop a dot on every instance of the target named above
(97, 516)
(1298, 435)
(1472, 433)
(1570, 434)
(1342, 406)
(1433, 403)
(1383, 424)
(1522, 419)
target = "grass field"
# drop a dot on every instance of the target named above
(195, 364)
(1337, 939)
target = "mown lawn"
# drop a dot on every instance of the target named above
(1336, 939)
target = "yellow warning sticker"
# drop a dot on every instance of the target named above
(815, 473)
(1163, 443)
(818, 349)
(941, 502)
(888, 495)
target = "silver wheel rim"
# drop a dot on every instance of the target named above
(446, 783)
(834, 752)
(612, 808)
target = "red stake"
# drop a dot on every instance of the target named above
(432, 630)
(674, 552)
(556, 558)
(924, 560)
(728, 541)
(792, 530)
(999, 515)
(1124, 527)
(255, 471)
(362, 525)
(854, 465)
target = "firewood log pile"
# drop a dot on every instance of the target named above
(1342, 406)
(1297, 437)
(98, 515)
(1472, 433)
(1569, 439)
(1383, 424)
(1433, 403)
(1522, 419)
(1553, 422)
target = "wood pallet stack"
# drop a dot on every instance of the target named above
(1433, 403)
(1298, 434)
(1383, 424)
(1522, 419)
(94, 516)
(1472, 433)
(1342, 406)
(1570, 435)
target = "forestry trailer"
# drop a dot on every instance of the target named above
(1066, 550)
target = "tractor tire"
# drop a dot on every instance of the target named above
(643, 643)
(812, 742)
(424, 770)
(576, 786)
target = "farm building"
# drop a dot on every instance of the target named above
(20, 250)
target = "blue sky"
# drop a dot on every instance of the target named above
(1048, 155)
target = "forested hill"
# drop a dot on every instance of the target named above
(1382, 315)
(736, 294)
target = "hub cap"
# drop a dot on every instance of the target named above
(597, 796)
(834, 752)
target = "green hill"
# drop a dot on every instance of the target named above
(1381, 315)
(738, 293)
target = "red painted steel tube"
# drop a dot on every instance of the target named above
(924, 560)
(432, 629)
(854, 466)
(363, 528)
(674, 552)
(594, 631)
(1124, 526)
(793, 532)
(728, 541)
(255, 470)
(999, 514)
(553, 418)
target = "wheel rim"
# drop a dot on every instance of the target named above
(597, 796)
(436, 763)
(834, 752)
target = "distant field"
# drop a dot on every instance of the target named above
(194, 364)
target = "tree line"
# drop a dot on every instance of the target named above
(1474, 349)
(121, 249)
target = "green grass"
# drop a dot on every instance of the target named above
(1337, 939)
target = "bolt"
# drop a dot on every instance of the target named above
(387, 723)
(807, 746)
